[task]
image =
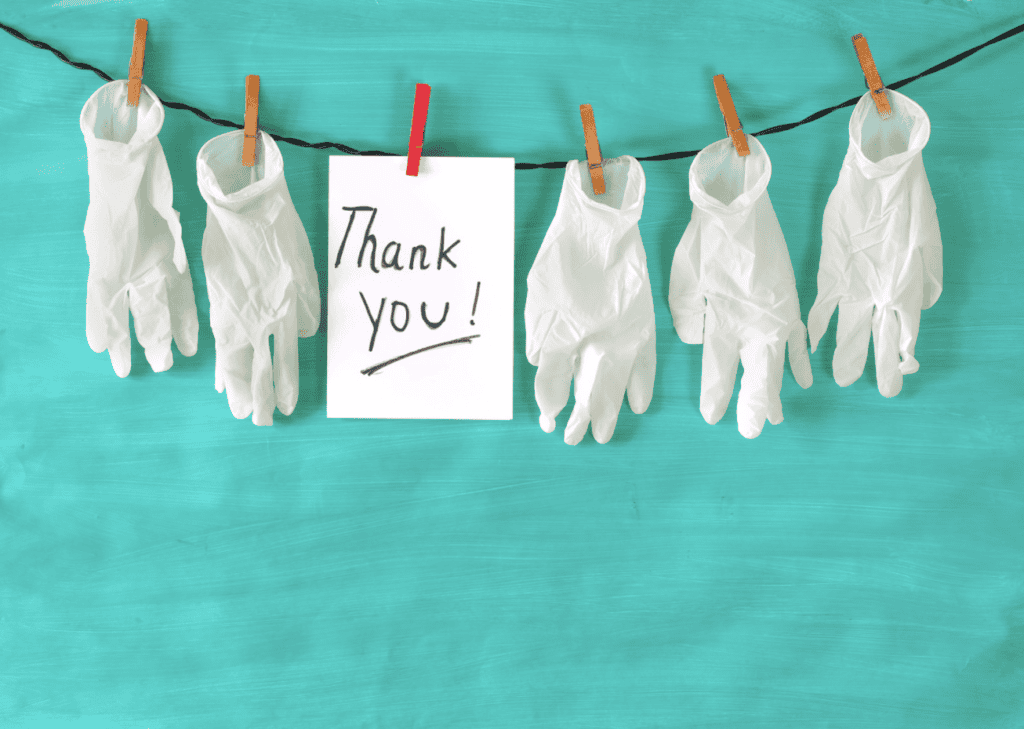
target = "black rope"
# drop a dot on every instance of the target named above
(526, 165)
(54, 51)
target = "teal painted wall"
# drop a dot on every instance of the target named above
(862, 564)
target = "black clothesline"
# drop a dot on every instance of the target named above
(523, 165)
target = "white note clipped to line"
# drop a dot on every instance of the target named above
(420, 288)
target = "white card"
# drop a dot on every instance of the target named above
(420, 288)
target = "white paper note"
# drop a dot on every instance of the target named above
(420, 288)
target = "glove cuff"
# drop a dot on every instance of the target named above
(726, 185)
(598, 210)
(116, 133)
(246, 191)
(689, 325)
(885, 147)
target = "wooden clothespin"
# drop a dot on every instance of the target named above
(732, 121)
(874, 81)
(593, 148)
(252, 108)
(138, 58)
(419, 124)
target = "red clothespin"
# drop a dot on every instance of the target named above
(419, 123)
(874, 81)
(732, 121)
(252, 108)
(138, 59)
(593, 148)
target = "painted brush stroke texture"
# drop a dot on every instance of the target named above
(164, 565)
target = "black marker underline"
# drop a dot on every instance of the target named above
(382, 365)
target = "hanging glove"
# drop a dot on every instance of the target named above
(260, 276)
(137, 262)
(881, 254)
(589, 310)
(732, 288)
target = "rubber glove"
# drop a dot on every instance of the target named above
(260, 275)
(881, 253)
(137, 262)
(732, 288)
(589, 310)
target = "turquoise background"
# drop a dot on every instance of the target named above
(862, 564)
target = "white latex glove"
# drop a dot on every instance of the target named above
(589, 310)
(132, 234)
(881, 254)
(260, 275)
(732, 288)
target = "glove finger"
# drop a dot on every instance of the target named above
(308, 302)
(234, 364)
(184, 319)
(551, 385)
(799, 361)
(760, 386)
(538, 327)
(262, 383)
(910, 323)
(720, 360)
(819, 318)
(852, 339)
(309, 321)
(106, 325)
(306, 283)
(584, 380)
(613, 372)
(886, 330)
(286, 367)
(218, 376)
(150, 309)
(579, 420)
(640, 388)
